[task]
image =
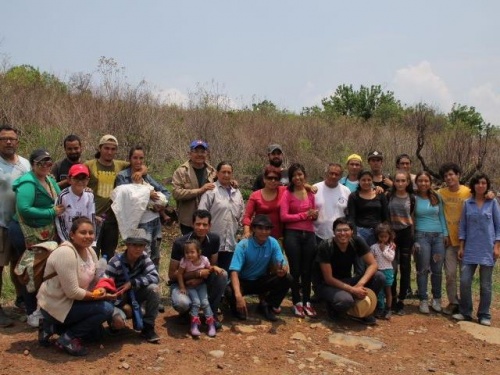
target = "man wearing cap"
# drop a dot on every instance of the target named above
(331, 201)
(210, 243)
(142, 279)
(375, 160)
(12, 166)
(190, 181)
(76, 200)
(332, 275)
(103, 171)
(354, 165)
(258, 267)
(73, 149)
(275, 155)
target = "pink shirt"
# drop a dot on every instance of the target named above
(189, 266)
(257, 205)
(293, 211)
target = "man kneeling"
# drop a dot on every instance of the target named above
(258, 267)
(332, 277)
(142, 279)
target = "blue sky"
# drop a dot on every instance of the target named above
(293, 53)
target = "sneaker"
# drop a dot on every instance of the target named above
(195, 326)
(485, 322)
(5, 321)
(424, 307)
(276, 310)
(212, 331)
(387, 315)
(298, 310)
(266, 311)
(33, 320)
(461, 317)
(436, 305)
(71, 346)
(379, 313)
(19, 303)
(399, 307)
(148, 332)
(45, 332)
(309, 310)
(451, 309)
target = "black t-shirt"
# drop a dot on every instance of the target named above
(342, 262)
(61, 168)
(209, 246)
(367, 213)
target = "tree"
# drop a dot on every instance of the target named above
(26, 75)
(466, 116)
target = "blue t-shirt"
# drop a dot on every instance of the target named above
(429, 218)
(252, 260)
(351, 185)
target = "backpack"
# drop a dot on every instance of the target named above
(31, 266)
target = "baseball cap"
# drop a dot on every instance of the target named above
(354, 157)
(273, 147)
(198, 143)
(108, 138)
(263, 220)
(77, 169)
(138, 236)
(39, 155)
(375, 154)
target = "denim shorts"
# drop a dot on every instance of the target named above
(389, 276)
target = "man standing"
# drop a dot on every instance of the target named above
(275, 155)
(142, 279)
(376, 159)
(12, 166)
(331, 201)
(210, 243)
(258, 267)
(103, 171)
(354, 165)
(333, 278)
(73, 149)
(190, 181)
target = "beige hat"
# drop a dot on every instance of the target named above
(108, 138)
(364, 307)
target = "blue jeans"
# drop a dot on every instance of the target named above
(84, 319)
(430, 258)
(485, 280)
(153, 228)
(199, 298)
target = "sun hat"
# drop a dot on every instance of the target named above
(364, 307)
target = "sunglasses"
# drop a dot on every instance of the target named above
(46, 163)
(272, 178)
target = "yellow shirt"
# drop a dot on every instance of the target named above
(453, 202)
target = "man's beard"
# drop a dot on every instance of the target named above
(73, 158)
(276, 163)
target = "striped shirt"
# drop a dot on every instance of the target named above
(142, 274)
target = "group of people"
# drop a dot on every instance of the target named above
(340, 238)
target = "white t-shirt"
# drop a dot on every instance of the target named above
(75, 206)
(331, 203)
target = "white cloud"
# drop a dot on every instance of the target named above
(487, 102)
(173, 96)
(419, 83)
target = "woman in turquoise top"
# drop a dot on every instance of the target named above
(36, 193)
(430, 234)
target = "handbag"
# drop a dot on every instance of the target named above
(136, 307)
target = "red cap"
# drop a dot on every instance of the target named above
(107, 283)
(77, 169)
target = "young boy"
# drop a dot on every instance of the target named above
(76, 200)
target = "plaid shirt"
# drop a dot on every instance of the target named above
(142, 274)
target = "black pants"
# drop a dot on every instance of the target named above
(404, 243)
(273, 287)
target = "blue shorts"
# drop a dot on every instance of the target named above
(389, 276)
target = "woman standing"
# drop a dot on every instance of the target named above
(34, 221)
(479, 246)
(297, 212)
(67, 305)
(225, 203)
(430, 233)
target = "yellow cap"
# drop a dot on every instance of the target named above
(354, 157)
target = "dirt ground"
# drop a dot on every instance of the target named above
(413, 344)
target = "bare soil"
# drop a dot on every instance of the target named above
(414, 344)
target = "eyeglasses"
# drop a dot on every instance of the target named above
(7, 139)
(45, 164)
(272, 178)
(263, 227)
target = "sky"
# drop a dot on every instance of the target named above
(293, 53)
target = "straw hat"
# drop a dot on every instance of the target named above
(364, 307)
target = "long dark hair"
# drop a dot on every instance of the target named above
(431, 194)
(291, 171)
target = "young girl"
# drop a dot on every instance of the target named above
(194, 262)
(401, 206)
(384, 251)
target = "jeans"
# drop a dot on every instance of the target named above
(108, 239)
(430, 258)
(404, 243)
(199, 298)
(451, 263)
(300, 249)
(216, 285)
(153, 228)
(485, 280)
(84, 319)
(149, 297)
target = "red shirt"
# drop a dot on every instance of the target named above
(257, 205)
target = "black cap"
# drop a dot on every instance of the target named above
(262, 220)
(375, 154)
(39, 155)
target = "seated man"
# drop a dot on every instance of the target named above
(216, 283)
(332, 275)
(258, 267)
(142, 279)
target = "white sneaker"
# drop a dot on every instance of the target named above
(33, 320)
(424, 307)
(436, 305)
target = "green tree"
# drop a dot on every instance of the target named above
(463, 115)
(27, 75)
